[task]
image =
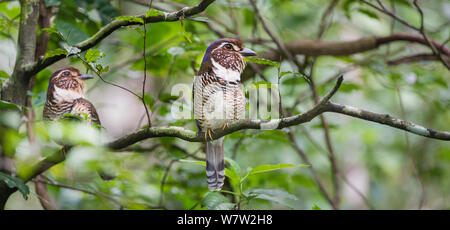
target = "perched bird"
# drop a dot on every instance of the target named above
(219, 100)
(65, 95)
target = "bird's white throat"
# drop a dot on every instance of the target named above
(66, 94)
(224, 73)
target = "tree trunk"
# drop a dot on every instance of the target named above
(15, 89)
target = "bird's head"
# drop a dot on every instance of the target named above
(67, 84)
(227, 53)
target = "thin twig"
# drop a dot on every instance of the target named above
(169, 166)
(384, 10)
(408, 149)
(145, 70)
(100, 194)
(316, 178)
(427, 39)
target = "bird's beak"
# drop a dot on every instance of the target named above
(247, 52)
(85, 76)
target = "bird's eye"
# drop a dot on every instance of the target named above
(228, 46)
(66, 73)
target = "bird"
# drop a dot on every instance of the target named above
(219, 100)
(65, 95)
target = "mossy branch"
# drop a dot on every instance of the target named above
(117, 24)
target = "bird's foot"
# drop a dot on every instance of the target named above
(208, 133)
(224, 126)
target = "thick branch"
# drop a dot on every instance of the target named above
(344, 48)
(388, 120)
(16, 87)
(117, 24)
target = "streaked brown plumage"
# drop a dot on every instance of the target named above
(65, 95)
(219, 100)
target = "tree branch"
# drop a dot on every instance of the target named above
(16, 87)
(413, 58)
(117, 24)
(388, 120)
(344, 48)
(188, 135)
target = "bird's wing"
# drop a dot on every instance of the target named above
(82, 106)
(205, 86)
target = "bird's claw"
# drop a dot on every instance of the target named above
(208, 133)
(224, 126)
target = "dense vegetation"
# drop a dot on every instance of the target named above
(393, 54)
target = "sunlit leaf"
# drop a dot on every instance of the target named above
(92, 55)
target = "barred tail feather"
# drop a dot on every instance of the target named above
(215, 165)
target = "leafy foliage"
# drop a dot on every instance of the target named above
(14, 182)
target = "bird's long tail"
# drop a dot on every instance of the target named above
(215, 165)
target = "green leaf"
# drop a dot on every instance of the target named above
(293, 81)
(167, 97)
(349, 87)
(346, 6)
(262, 61)
(274, 192)
(130, 19)
(14, 182)
(92, 55)
(55, 52)
(315, 207)
(216, 201)
(3, 76)
(284, 73)
(368, 13)
(70, 116)
(233, 172)
(50, 30)
(274, 195)
(149, 100)
(269, 168)
(194, 162)
(153, 12)
(71, 30)
(9, 105)
(101, 69)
